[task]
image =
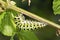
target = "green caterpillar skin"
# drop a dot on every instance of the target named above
(27, 24)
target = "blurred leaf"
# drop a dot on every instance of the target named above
(27, 35)
(2, 37)
(1, 17)
(47, 33)
(8, 28)
(56, 6)
(12, 37)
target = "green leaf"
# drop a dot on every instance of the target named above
(1, 17)
(7, 25)
(27, 35)
(56, 6)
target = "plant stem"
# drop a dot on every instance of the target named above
(32, 15)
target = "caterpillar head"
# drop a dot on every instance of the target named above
(19, 18)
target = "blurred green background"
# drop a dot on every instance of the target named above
(42, 8)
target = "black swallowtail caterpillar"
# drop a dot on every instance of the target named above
(26, 24)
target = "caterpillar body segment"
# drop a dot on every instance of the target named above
(27, 24)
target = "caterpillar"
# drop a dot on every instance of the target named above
(25, 24)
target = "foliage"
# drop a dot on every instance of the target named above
(56, 6)
(8, 27)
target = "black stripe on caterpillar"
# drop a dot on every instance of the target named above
(27, 24)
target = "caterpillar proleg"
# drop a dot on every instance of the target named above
(26, 24)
